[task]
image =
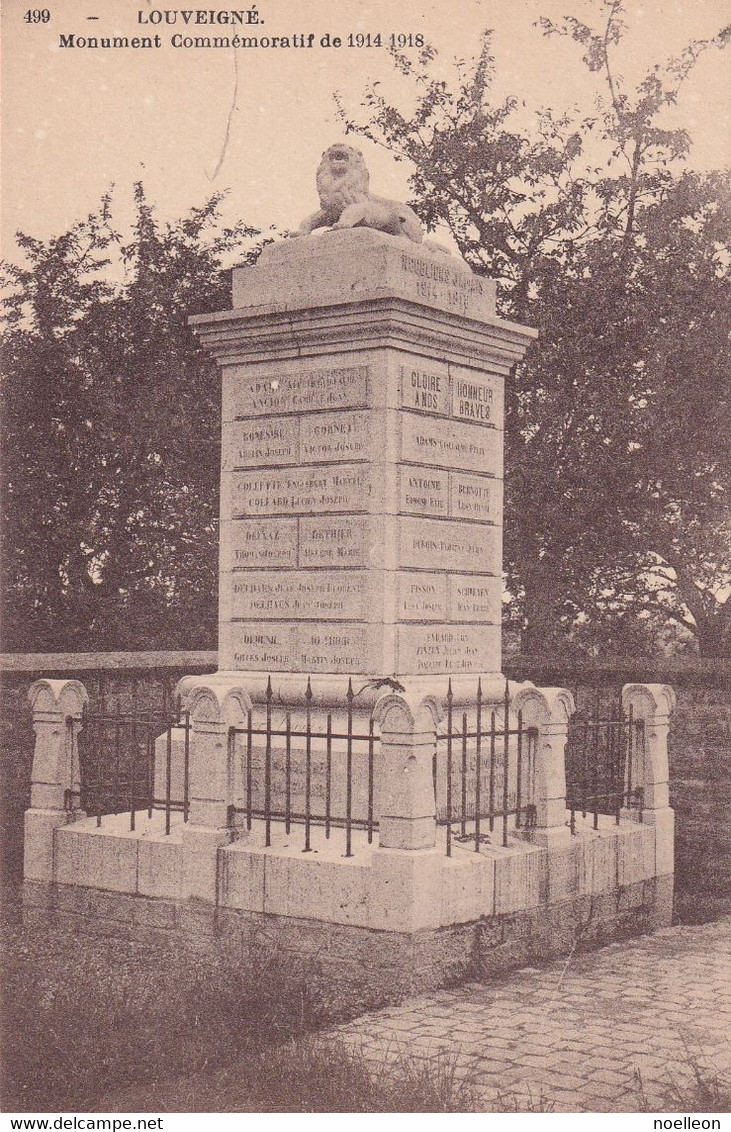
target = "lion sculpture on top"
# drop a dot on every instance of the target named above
(345, 202)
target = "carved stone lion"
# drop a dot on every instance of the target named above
(342, 184)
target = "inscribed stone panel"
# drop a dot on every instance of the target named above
(472, 598)
(335, 436)
(425, 386)
(266, 544)
(266, 393)
(334, 542)
(423, 492)
(424, 649)
(299, 490)
(445, 545)
(450, 444)
(422, 597)
(261, 647)
(477, 397)
(323, 648)
(300, 594)
(249, 444)
(475, 497)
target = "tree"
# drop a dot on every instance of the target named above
(601, 240)
(112, 437)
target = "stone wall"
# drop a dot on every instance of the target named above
(700, 793)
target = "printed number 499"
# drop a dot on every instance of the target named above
(37, 16)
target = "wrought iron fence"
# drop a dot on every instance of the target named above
(484, 773)
(294, 767)
(303, 772)
(602, 757)
(124, 767)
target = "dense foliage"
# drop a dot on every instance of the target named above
(616, 466)
(111, 434)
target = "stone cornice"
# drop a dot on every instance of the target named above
(266, 334)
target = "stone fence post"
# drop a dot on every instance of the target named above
(653, 704)
(215, 706)
(408, 743)
(57, 707)
(548, 710)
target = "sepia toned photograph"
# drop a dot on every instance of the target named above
(365, 561)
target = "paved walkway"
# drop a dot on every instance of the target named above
(615, 1030)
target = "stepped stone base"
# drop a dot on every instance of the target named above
(361, 965)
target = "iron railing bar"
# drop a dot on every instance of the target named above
(299, 818)
(370, 781)
(519, 772)
(349, 774)
(168, 775)
(595, 762)
(308, 766)
(281, 734)
(506, 759)
(268, 765)
(328, 774)
(186, 767)
(150, 767)
(288, 774)
(449, 769)
(117, 757)
(248, 772)
(463, 823)
(492, 772)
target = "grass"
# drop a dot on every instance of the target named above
(698, 1088)
(308, 1074)
(102, 1024)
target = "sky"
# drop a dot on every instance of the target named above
(76, 120)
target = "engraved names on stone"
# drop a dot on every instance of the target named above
(299, 594)
(474, 598)
(247, 443)
(249, 544)
(284, 492)
(335, 436)
(450, 444)
(449, 494)
(423, 492)
(267, 544)
(473, 497)
(422, 597)
(303, 647)
(320, 438)
(270, 392)
(423, 649)
(337, 542)
(444, 544)
(426, 596)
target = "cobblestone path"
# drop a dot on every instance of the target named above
(615, 1030)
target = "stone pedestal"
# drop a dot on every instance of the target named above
(361, 488)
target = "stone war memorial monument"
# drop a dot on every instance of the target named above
(358, 785)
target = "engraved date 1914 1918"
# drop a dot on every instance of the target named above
(428, 289)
